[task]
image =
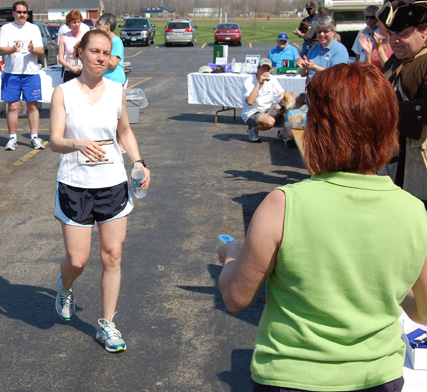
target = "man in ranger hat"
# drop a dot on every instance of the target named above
(406, 24)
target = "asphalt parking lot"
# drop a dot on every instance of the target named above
(206, 179)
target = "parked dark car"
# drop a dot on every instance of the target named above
(138, 30)
(50, 55)
(228, 32)
(53, 30)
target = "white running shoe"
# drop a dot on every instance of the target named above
(110, 336)
(64, 302)
(36, 142)
(11, 144)
(253, 135)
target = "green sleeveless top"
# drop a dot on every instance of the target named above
(352, 248)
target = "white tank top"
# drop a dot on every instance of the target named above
(86, 120)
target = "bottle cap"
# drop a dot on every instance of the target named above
(224, 238)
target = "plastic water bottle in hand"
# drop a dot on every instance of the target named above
(138, 176)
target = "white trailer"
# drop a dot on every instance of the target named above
(349, 16)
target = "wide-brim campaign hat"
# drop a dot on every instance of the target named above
(400, 15)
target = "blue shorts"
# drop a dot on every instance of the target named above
(12, 85)
(82, 207)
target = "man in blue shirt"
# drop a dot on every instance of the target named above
(283, 51)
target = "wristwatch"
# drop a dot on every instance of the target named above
(142, 162)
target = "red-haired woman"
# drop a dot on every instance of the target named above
(67, 42)
(341, 253)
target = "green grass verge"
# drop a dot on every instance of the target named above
(254, 30)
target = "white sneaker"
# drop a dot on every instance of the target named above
(11, 144)
(253, 135)
(64, 301)
(110, 336)
(36, 142)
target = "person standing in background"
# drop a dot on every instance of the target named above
(305, 25)
(20, 45)
(406, 70)
(67, 42)
(115, 70)
(368, 32)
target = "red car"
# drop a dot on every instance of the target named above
(228, 32)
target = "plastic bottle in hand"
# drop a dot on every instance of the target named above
(138, 176)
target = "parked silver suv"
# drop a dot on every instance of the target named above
(180, 31)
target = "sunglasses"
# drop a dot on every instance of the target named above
(370, 17)
(22, 12)
(323, 31)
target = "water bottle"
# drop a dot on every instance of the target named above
(233, 66)
(138, 176)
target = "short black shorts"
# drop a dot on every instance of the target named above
(82, 207)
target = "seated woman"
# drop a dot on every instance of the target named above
(341, 252)
(328, 52)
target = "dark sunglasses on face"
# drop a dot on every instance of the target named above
(22, 12)
(370, 17)
(323, 31)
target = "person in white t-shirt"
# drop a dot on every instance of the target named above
(92, 184)
(260, 92)
(368, 32)
(20, 45)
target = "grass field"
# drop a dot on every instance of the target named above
(254, 30)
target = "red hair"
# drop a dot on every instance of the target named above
(73, 15)
(351, 120)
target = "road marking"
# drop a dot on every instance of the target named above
(142, 81)
(22, 129)
(250, 45)
(134, 55)
(26, 157)
(203, 45)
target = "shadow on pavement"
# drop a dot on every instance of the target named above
(239, 378)
(250, 315)
(35, 306)
(206, 118)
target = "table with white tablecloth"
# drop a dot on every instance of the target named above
(226, 89)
